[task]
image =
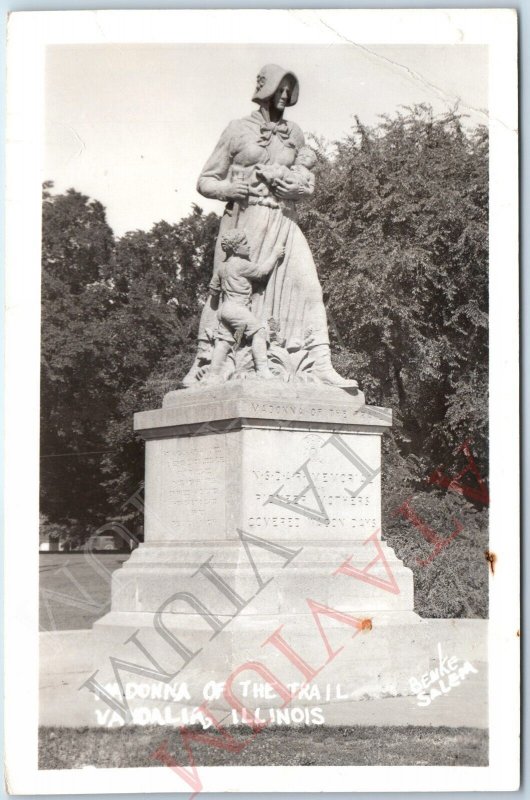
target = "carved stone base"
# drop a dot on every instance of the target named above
(263, 512)
(269, 577)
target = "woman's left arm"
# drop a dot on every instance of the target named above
(292, 189)
(288, 189)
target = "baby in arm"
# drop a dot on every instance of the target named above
(234, 283)
(300, 173)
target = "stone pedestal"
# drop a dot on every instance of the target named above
(262, 504)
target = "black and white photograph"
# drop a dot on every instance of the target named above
(262, 401)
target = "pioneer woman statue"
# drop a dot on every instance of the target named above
(262, 202)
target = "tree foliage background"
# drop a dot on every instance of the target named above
(398, 227)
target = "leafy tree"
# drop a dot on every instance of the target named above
(77, 247)
(399, 229)
(160, 280)
(112, 312)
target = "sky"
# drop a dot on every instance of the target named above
(132, 125)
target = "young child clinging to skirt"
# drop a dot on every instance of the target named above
(234, 282)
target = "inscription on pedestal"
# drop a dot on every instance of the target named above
(195, 481)
(191, 488)
(295, 411)
(275, 482)
(311, 484)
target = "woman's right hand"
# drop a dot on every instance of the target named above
(237, 190)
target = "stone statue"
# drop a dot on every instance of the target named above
(261, 168)
(233, 282)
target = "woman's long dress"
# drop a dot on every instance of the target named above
(292, 295)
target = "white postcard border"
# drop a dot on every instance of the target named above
(29, 34)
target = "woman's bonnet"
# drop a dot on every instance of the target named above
(269, 78)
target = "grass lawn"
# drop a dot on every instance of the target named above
(67, 748)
